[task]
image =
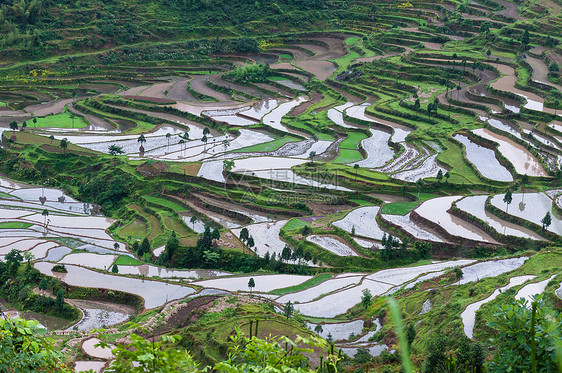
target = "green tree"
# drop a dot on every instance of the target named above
(114, 150)
(311, 156)
(525, 337)
(356, 168)
(59, 302)
(51, 138)
(114, 269)
(525, 37)
(13, 262)
(25, 349)
(289, 309)
(546, 221)
(251, 284)
(13, 125)
(144, 247)
(410, 334)
(507, 199)
(64, 144)
(172, 245)
(161, 356)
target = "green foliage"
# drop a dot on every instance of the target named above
(523, 335)
(24, 350)
(277, 354)
(251, 73)
(152, 356)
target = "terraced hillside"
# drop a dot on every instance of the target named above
(334, 152)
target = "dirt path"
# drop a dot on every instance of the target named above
(277, 90)
(510, 10)
(507, 83)
(540, 72)
(316, 97)
(198, 85)
(178, 91)
(52, 107)
(157, 90)
(135, 91)
(321, 69)
(96, 123)
(217, 79)
(171, 118)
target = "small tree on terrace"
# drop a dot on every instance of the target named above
(366, 299)
(507, 199)
(439, 176)
(546, 221)
(51, 138)
(114, 150)
(312, 155)
(59, 302)
(356, 168)
(64, 145)
(251, 284)
(289, 309)
(168, 136)
(14, 125)
(114, 269)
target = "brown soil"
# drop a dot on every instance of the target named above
(53, 107)
(152, 169)
(323, 210)
(157, 90)
(94, 120)
(217, 79)
(179, 92)
(198, 85)
(321, 69)
(316, 97)
(277, 90)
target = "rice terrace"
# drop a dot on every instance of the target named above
(290, 186)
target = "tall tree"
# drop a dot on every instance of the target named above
(64, 145)
(507, 199)
(251, 284)
(546, 221)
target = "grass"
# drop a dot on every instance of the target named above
(166, 203)
(62, 120)
(27, 138)
(426, 196)
(398, 208)
(2, 103)
(285, 57)
(5, 195)
(353, 139)
(268, 146)
(125, 260)
(294, 223)
(352, 40)
(136, 229)
(14, 225)
(305, 285)
(348, 156)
